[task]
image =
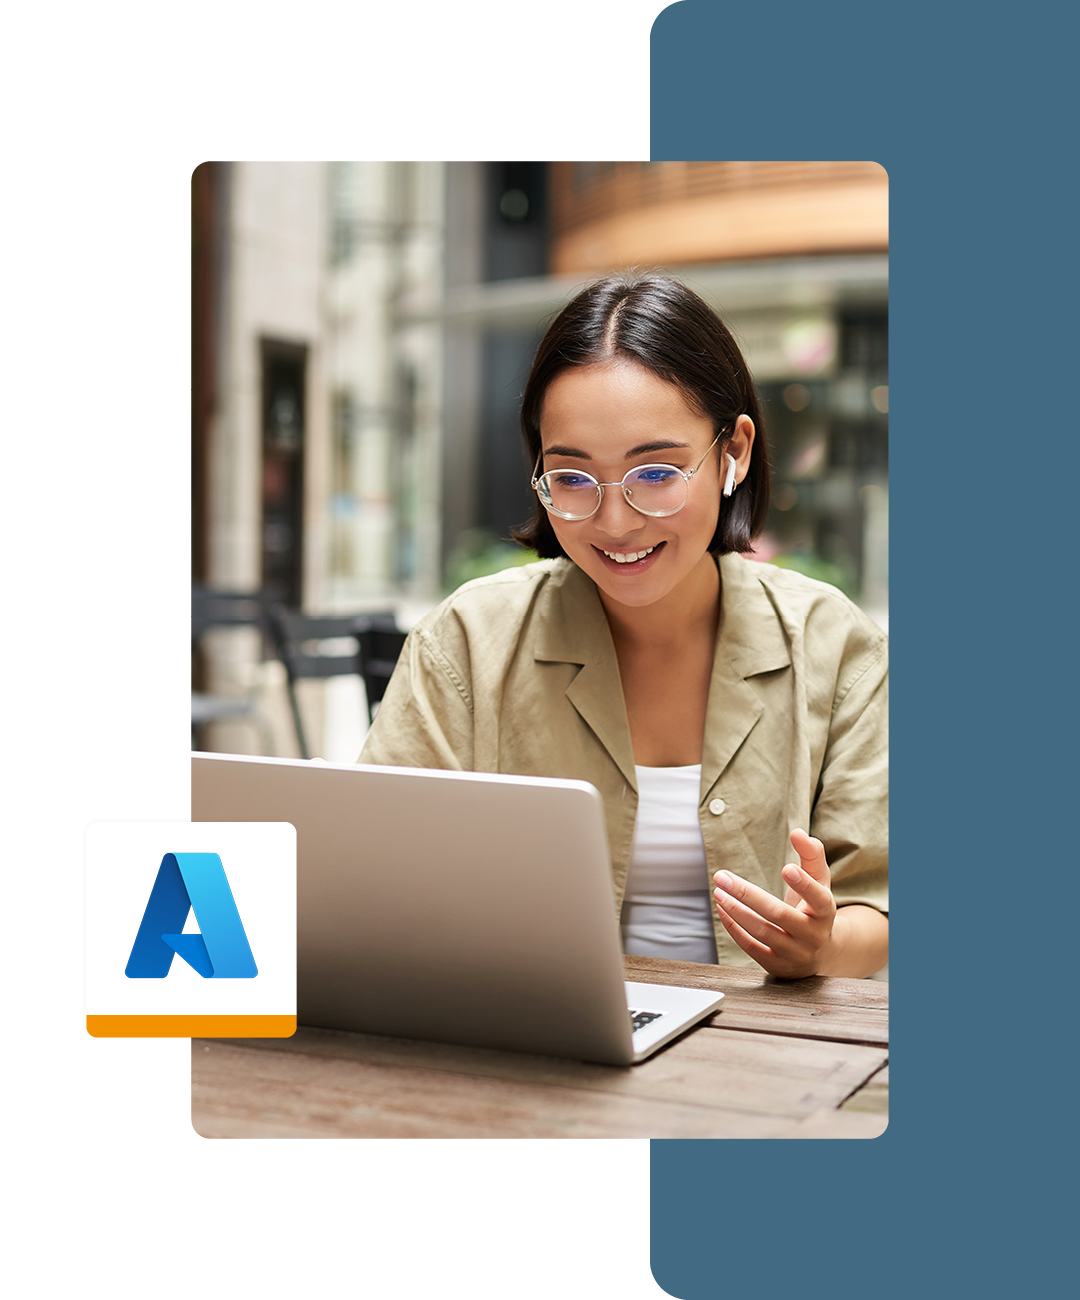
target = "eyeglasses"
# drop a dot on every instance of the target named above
(657, 490)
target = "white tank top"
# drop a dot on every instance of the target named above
(667, 908)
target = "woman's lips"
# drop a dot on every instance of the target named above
(627, 567)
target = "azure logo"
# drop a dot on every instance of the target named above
(187, 882)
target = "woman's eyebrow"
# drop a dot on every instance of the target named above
(660, 444)
(559, 450)
(645, 449)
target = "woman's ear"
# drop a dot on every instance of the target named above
(740, 447)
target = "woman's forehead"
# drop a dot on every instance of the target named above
(617, 409)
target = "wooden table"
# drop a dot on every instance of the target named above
(801, 1059)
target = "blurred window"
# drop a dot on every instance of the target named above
(342, 178)
(829, 443)
(283, 382)
(515, 227)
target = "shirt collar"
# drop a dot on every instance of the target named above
(574, 629)
(752, 636)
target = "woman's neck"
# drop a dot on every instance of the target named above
(690, 609)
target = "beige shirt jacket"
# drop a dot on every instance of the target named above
(517, 673)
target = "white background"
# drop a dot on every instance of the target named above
(122, 863)
(107, 110)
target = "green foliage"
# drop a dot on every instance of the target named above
(479, 552)
(837, 575)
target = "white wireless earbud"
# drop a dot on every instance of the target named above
(729, 478)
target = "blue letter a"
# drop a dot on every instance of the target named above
(185, 881)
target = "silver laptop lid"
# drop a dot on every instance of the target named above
(454, 906)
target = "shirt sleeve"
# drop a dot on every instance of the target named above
(426, 716)
(851, 809)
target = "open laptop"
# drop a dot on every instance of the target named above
(455, 906)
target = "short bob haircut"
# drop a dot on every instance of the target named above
(665, 327)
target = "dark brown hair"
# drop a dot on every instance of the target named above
(665, 327)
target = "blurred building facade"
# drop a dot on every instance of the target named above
(362, 332)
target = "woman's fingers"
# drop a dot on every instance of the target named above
(783, 915)
(782, 932)
(760, 952)
(785, 937)
(812, 856)
(783, 957)
(817, 897)
(759, 900)
(749, 918)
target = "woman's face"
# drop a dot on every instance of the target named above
(607, 419)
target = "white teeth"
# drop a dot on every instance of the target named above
(628, 557)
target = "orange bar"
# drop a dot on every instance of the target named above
(191, 1026)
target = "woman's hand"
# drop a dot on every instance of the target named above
(792, 938)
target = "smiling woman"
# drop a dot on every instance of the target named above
(646, 540)
(728, 712)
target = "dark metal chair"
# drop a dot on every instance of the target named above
(213, 608)
(318, 646)
(380, 647)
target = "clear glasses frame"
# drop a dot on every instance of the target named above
(541, 486)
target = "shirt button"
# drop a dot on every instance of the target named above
(716, 807)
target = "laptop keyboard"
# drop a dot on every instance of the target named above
(639, 1019)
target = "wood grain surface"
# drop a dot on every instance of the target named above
(803, 1058)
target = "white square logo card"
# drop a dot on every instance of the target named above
(191, 929)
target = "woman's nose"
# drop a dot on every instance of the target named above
(616, 516)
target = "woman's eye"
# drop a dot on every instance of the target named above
(657, 474)
(571, 480)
